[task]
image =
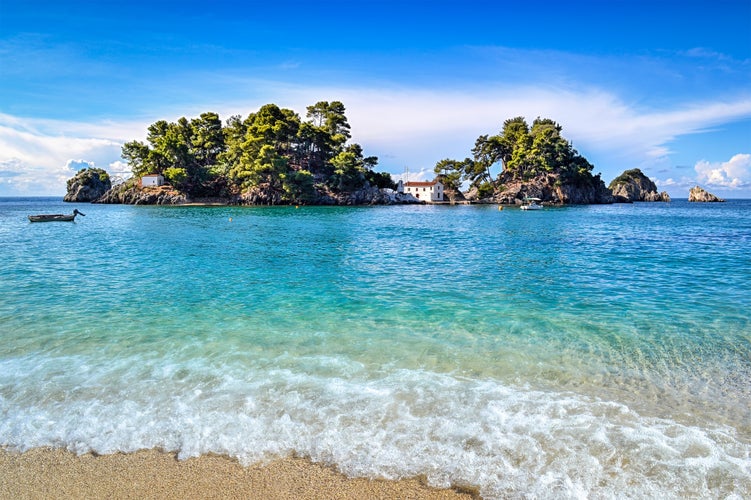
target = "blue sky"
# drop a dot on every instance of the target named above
(663, 86)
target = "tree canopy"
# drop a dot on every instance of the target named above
(271, 149)
(523, 152)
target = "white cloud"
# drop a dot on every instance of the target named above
(416, 128)
(678, 187)
(76, 165)
(39, 156)
(732, 174)
(403, 126)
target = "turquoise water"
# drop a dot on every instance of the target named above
(600, 351)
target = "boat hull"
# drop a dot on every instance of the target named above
(52, 218)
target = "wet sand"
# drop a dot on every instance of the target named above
(46, 473)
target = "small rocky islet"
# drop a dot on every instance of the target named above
(698, 194)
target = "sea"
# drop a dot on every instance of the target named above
(598, 351)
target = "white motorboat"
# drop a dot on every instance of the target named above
(531, 204)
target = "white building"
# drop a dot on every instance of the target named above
(425, 191)
(152, 180)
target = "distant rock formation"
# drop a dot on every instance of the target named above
(698, 194)
(88, 185)
(632, 185)
(550, 188)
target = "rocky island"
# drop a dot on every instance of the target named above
(632, 185)
(537, 162)
(698, 194)
(273, 157)
(89, 184)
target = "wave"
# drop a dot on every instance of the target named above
(453, 430)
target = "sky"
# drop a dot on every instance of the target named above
(664, 86)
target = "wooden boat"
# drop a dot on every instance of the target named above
(55, 217)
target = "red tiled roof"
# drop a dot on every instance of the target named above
(420, 184)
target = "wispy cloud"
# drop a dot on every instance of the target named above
(417, 127)
(404, 126)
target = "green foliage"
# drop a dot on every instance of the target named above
(91, 176)
(325, 133)
(176, 176)
(626, 177)
(485, 189)
(451, 172)
(136, 154)
(523, 152)
(299, 186)
(93, 172)
(348, 171)
(271, 148)
(381, 180)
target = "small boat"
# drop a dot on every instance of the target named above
(532, 204)
(55, 217)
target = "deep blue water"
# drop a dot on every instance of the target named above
(577, 351)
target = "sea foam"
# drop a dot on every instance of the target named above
(505, 440)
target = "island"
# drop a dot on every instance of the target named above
(89, 184)
(274, 157)
(632, 185)
(698, 194)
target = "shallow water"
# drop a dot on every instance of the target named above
(581, 351)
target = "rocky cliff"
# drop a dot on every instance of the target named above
(166, 195)
(133, 195)
(87, 185)
(698, 194)
(632, 185)
(550, 188)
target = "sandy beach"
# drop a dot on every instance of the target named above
(47, 473)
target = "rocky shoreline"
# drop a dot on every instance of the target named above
(166, 195)
(93, 185)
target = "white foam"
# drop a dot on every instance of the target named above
(389, 424)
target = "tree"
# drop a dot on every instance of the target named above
(349, 171)
(272, 126)
(325, 133)
(299, 186)
(452, 172)
(207, 139)
(234, 138)
(272, 148)
(136, 154)
(266, 167)
(176, 176)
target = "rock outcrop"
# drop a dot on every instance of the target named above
(370, 196)
(133, 195)
(261, 195)
(87, 185)
(550, 188)
(632, 185)
(698, 194)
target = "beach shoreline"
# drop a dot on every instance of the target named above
(58, 473)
